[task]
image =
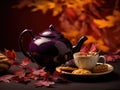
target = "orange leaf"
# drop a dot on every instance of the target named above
(11, 55)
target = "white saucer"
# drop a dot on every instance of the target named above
(110, 69)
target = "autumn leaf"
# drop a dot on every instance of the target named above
(113, 56)
(93, 48)
(24, 73)
(84, 49)
(25, 62)
(43, 83)
(57, 77)
(77, 5)
(19, 73)
(6, 78)
(56, 73)
(40, 72)
(43, 5)
(31, 76)
(58, 9)
(11, 55)
(102, 23)
(30, 68)
(100, 43)
(110, 20)
(89, 48)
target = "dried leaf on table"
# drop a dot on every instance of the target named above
(30, 69)
(44, 83)
(31, 76)
(113, 56)
(19, 73)
(40, 72)
(21, 80)
(23, 72)
(6, 78)
(11, 55)
(25, 62)
(20, 76)
(56, 77)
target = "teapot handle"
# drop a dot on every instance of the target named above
(21, 42)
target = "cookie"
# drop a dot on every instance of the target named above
(82, 72)
(4, 63)
(67, 68)
(2, 56)
(100, 68)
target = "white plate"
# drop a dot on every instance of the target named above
(110, 69)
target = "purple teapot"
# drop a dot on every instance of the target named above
(50, 48)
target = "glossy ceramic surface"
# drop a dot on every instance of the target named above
(50, 48)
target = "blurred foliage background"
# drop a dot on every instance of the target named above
(99, 20)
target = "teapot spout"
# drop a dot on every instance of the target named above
(77, 47)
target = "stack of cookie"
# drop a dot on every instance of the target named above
(4, 63)
(99, 68)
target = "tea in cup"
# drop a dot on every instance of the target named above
(87, 60)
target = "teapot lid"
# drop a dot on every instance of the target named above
(51, 33)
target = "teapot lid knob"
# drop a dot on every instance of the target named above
(51, 33)
(51, 27)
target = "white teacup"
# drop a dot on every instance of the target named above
(87, 61)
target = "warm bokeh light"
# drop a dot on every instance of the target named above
(98, 20)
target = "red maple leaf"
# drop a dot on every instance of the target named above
(93, 48)
(30, 69)
(56, 73)
(57, 77)
(31, 76)
(24, 73)
(40, 72)
(112, 57)
(43, 83)
(11, 55)
(6, 78)
(19, 73)
(84, 49)
(25, 62)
